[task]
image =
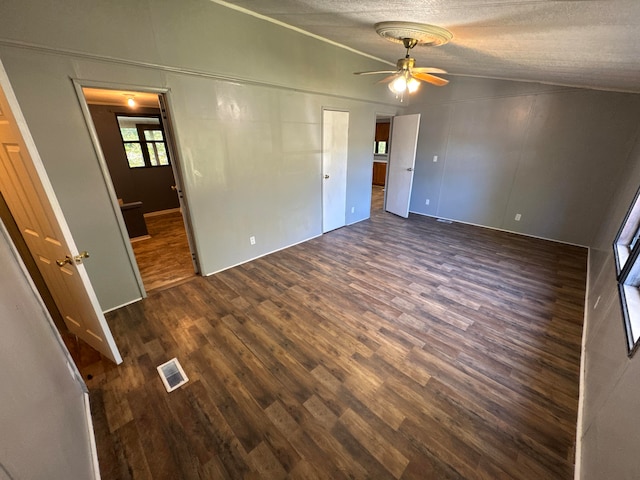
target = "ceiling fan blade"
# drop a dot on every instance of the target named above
(428, 70)
(374, 73)
(388, 79)
(425, 77)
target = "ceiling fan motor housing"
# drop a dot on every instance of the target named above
(406, 63)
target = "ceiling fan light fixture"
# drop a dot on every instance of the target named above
(407, 77)
(413, 85)
(399, 85)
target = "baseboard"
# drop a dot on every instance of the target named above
(577, 472)
(137, 239)
(92, 438)
(453, 220)
(262, 255)
(123, 305)
(161, 212)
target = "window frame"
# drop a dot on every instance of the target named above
(626, 248)
(142, 140)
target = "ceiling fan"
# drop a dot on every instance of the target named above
(407, 77)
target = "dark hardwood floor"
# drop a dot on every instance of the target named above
(164, 259)
(391, 348)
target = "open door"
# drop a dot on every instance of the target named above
(32, 202)
(335, 143)
(402, 160)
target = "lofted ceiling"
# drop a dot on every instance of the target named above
(582, 43)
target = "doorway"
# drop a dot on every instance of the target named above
(134, 134)
(380, 161)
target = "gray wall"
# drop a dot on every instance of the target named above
(551, 154)
(611, 421)
(42, 418)
(151, 186)
(249, 145)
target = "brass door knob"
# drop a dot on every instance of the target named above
(81, 256)
(65, 261)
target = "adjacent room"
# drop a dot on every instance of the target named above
(319, 239)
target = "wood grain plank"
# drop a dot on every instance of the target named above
(392, 348)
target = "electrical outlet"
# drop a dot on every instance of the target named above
(518, 217)
(426, 202)
(435, 158)
(252, 240)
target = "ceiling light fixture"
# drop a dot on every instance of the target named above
(130, 101)
(407, 77)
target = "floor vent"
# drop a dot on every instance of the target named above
(444, 220)
(172, 374)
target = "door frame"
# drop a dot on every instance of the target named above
(163, 105)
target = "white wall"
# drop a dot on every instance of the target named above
(549, 153)
(42, 417)
(247, 115)
(611, 417)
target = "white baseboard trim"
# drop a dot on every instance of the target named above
(262, 255)
(92, 438)
(123, 305)
(453, 220)
(577, 472)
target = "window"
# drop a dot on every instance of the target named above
(144, 141)
(626, 250)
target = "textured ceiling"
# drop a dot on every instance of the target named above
(582, 43)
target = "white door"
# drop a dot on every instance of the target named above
(402, 160)
(32, 202)
(335, 140)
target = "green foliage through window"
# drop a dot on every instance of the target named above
(144, 141)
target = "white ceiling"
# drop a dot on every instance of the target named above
(582, 43)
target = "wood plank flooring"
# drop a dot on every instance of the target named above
(393, 348)
(164, 259)
(377, 198)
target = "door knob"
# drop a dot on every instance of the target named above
(326, 176)
(409, 169)
(82, 255)
(174, 188)
(67, 260)
(70, 261)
